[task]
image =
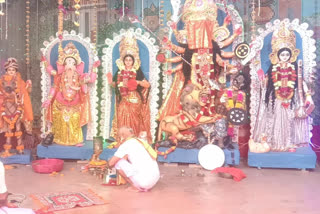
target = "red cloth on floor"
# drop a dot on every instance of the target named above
(237, 174)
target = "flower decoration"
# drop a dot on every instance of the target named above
(121, 7)
(161, 58)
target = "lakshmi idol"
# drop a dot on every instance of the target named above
(131, 90)
(285, 119)
(68, 106)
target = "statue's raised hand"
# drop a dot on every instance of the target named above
(43, 59)
(173, 25)
(96, 64)
(46, 103)
(168, 72)
(227, 20)
(28, 83)
(238, 31)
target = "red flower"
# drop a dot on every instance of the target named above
(132, 85)
(43, 58)
(96, 64)
(165, 39)
(202, 51)
(173, 25)
(238, 31)
(228, 19)
(260, 74)
(168, 72)
(230, 131)
(161, 58)
(60, 37)
(205, 69)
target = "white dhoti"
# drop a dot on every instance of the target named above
(141, 180)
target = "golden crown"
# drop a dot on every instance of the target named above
(283, 38)
(129, 45)
(196, 10)
(69, 51)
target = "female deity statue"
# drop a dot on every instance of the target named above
(204, 60)
(287, 99)
(131, 90)
(16, 108)
(200, 47)
(68, 106)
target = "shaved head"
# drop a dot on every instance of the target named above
(124, 133)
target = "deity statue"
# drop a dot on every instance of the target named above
(205, 64)
(68, 107)
(131, 90)
(234, 99)
(200, 45)
(287, 101)
(16, 108)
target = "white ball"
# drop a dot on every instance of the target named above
(211, 157)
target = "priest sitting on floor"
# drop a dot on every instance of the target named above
(135, 161)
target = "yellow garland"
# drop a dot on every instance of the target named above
(239, 104)
(76, 12)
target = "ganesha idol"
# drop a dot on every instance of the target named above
(67, 106)
(205, 62)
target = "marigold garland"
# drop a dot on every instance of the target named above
(278, 74)
(11, 121)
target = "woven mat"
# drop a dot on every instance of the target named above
(67, 200)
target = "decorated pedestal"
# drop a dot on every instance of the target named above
(18, 158)
(72, 152)
(303, 158)
(232, 156)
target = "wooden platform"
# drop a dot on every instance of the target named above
(191, 156)
(18, 159)
(72, 152)
(303, 158)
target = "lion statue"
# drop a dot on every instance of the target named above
(192, 100)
